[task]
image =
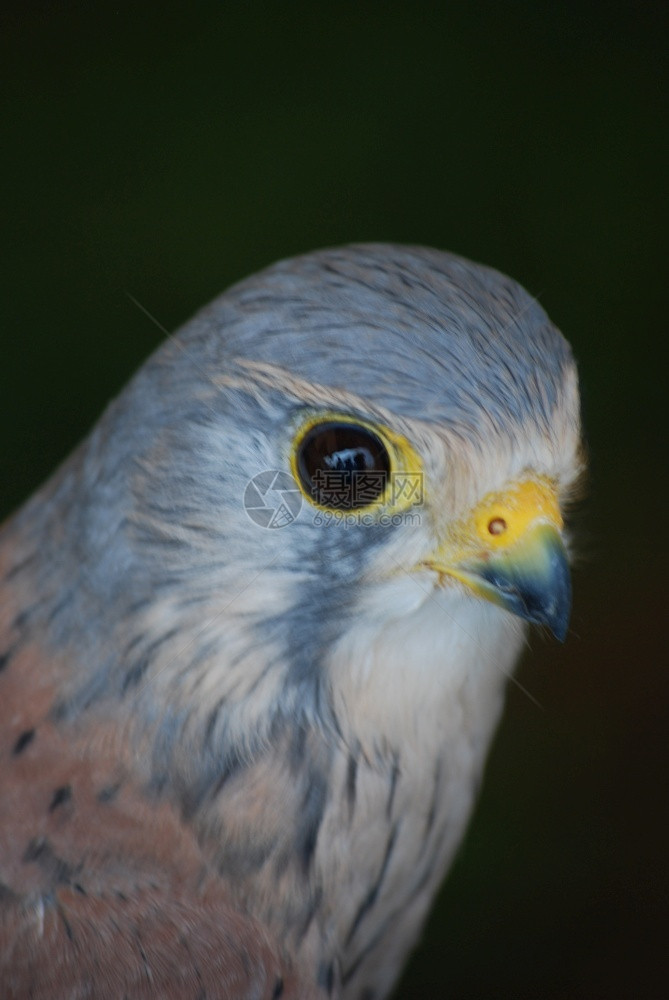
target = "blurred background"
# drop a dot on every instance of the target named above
(163, 153)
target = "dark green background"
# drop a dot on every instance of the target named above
(165, 152)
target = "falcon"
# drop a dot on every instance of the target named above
(255, 632)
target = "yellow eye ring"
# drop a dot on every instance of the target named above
(343, 463)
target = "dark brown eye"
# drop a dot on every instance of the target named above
(342, 466)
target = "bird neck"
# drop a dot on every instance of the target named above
(351, 822)
(331, 818)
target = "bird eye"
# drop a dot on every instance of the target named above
(342, 466)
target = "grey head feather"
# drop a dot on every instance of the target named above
(419, 331)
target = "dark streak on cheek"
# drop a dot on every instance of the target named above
(60, 797)
(351, 783)
(278, 989)
(313, 808)
(108, 793)
(24, 739)
(40, 852)
(434, 801)
(326, 977)
(370, 899)
(394, 776)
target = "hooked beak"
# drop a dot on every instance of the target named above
(511, 552)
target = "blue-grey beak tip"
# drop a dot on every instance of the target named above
(539, 592)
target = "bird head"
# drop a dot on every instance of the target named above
(355, 457)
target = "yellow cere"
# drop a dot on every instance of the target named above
(501, 519)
